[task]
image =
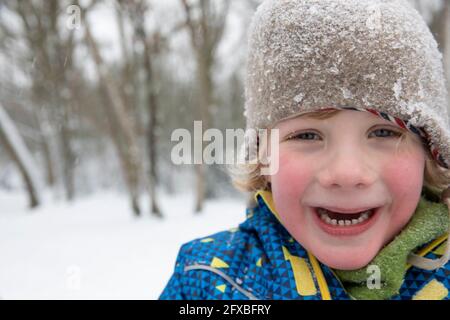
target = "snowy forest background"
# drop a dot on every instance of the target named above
(90, 93)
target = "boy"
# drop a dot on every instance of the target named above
(359, 205)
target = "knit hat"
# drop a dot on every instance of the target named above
(372, 55)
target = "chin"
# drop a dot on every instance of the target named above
(347, 260)
(346, 265)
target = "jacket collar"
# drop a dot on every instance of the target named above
(290, 258)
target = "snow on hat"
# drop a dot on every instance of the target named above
(372, 55)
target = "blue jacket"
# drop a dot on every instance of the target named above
(260, 260)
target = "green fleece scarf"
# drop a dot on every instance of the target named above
(430, 220)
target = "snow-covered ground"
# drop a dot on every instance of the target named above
(95, 249)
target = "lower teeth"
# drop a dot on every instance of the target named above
(344, 222)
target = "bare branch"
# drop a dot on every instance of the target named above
(190, 23)
(220, 27)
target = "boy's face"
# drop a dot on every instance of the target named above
(351, 162)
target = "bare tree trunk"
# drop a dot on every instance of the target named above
(204, 65)
(42, 124)
(68, 156)
(52, 53)
(61, 52)
(151, 128)
(200, 187)
(42, 78)
(118, 110)
(50, 174)
(151, 44)
(121, 149)
(19, 153)
(206, 31)
(128, 74)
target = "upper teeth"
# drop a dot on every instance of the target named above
(346, 222)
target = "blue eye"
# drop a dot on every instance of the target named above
(385, 133)
(304, 136)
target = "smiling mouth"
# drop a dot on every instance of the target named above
(340, 219)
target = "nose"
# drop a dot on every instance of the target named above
(347, 168)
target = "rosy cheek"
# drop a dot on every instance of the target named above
(404, 180)
(292, 172)
(291, 180)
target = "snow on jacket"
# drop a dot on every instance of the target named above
(260, 260)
